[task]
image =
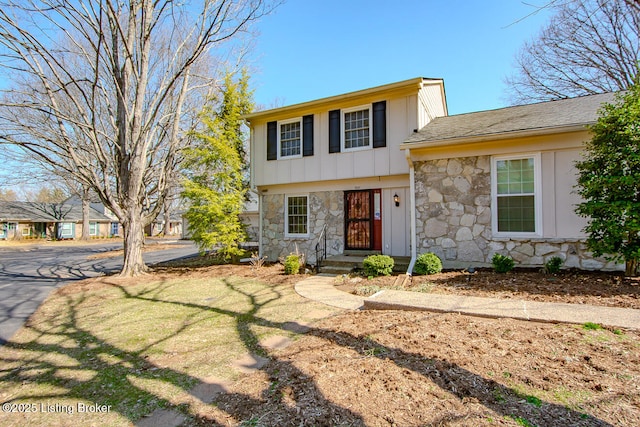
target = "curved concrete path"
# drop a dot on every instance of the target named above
(321, 288)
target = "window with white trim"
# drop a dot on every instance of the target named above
(516, 202)
(297, 216)
(93, 229)
(66, 229)
(356, 128)
(290, 138)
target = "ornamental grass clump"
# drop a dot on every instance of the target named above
(428, 263)
(502, 263)
(378, 265)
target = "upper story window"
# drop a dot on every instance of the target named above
(290, 138)
(356, 129)
(516, 200)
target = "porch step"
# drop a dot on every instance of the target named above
(347, 263)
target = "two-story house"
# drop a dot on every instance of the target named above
(335, 166)
(387, 170)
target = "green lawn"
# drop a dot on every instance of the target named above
(136, 347)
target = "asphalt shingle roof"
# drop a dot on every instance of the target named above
(45, 212)
(544, 115)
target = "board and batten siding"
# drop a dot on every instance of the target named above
(430, 104)
(401, 116)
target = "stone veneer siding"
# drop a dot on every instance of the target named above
(453, 220)
(324, 208)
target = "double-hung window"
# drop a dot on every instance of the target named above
(297, 216)
(66, 230)
(290, 138)
(93, 228)
(516, 201)
(356, 128)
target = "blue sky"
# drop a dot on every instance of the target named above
(310, 49)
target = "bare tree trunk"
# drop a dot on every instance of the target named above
(167, 217)
(86, 208)
(133, 230)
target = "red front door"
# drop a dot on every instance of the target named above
(363, 220)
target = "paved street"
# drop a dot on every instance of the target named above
(29, 274)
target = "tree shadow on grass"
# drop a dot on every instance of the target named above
(74, 364)
(109, 375)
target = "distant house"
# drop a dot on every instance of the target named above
(386, 170)
(157, 227)
(113, 229)
(30, 220)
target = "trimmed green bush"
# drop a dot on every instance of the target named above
(428, 263)
(553, 265)
(502, 263)
(378, 265)
(292, 264)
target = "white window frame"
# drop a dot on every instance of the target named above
(63, 225)
(96, 229)
(537, 194)
(343, 141)
(286, 216)
(286, 122)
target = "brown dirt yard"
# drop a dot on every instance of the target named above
(572, 286)
(396, 368)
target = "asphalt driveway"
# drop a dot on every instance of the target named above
(28, 274)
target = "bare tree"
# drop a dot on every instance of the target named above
(588, 47)
(102, 90)
(8, 195)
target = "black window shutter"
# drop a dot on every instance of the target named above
(334, 131)
(307, 135)
(379, 124)
(272, 141)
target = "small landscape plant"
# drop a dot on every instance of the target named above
(292, 264)
(590, 326)
(553, 265)
(257, 261)
(367, 290)
(428, 263)
(378, 265)
(502, 263)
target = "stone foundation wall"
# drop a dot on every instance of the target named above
(453, 220)
(324, 208)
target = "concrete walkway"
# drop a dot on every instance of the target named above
(321, 288)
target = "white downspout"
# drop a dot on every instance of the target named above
(254, 187)
(412, 212)
(260, 196)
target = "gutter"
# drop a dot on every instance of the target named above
(412, 85)
(412, 212)
(411, 145)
